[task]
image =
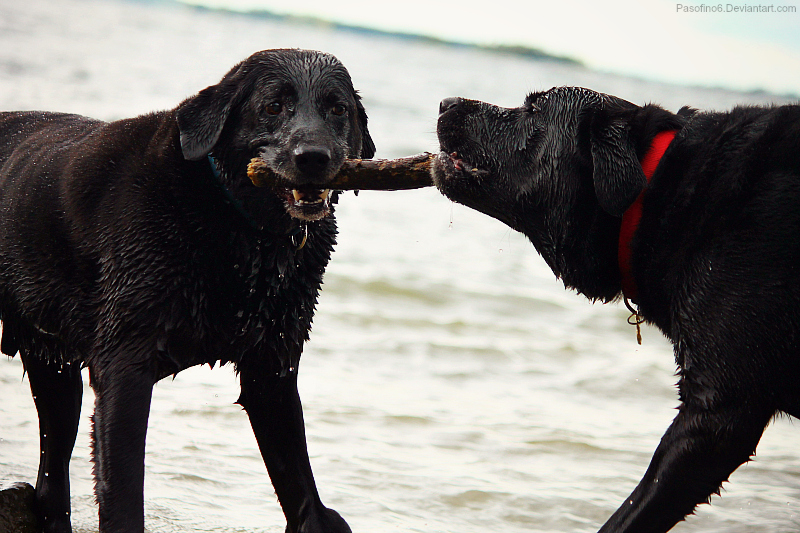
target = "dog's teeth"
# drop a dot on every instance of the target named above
(300, 198)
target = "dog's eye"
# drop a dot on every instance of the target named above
(338, 110)
(274, 108)
(532, 108)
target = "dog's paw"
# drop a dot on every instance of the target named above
(326, 521)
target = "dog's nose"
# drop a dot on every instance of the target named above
(448, 103)
(312, 160)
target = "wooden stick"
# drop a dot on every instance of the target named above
(411, 172)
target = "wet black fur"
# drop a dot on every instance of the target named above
(121, 251)
(716, 258)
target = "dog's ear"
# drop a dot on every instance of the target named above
(202, 117)
(618, 175)
(367, 144)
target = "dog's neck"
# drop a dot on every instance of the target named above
(297, 234)
(632, 216)
(229, 198)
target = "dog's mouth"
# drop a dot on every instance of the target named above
(451, 165)
(306, 203)
(453, 161)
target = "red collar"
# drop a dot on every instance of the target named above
(631, 218)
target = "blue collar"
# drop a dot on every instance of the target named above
(229, 198)
(297, 239)
(215, 168)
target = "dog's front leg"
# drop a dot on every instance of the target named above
(273, 405)
(702, 447)
(57, 392)
(122, 407)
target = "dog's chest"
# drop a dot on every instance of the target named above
(265, 297)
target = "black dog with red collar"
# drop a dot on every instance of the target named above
(713, 259)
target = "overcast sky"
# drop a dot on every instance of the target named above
(728, 44)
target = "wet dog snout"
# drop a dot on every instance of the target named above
(312, 160)
(448, 103)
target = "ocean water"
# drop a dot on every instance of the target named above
(451, 383)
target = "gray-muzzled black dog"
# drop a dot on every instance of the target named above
(139, 248)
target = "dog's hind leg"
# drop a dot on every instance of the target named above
(276, 415)
(699, 451)
(57, 392)
(122, 405)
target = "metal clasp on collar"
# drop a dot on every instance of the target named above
(304, 228)
(635, 319)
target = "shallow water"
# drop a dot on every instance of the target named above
(451, 383)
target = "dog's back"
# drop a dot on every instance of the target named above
(62, 177)
(35, 148)
(24, 134)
